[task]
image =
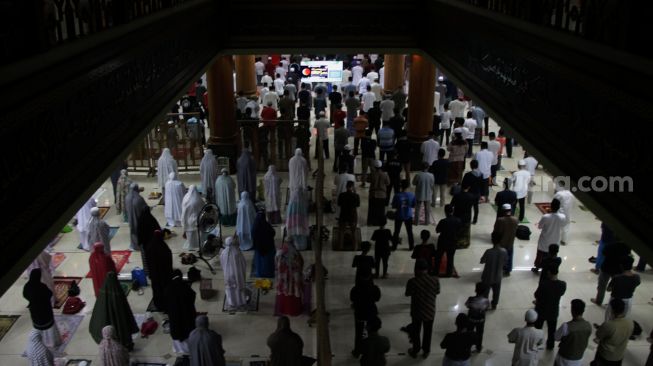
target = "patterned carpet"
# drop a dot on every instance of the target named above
(120, 258)
(67, 325)
(57, 259)
(251, 306)
(61, 286)
(544, 207)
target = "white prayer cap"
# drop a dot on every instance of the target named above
(521, 162)
(224, 171)
(347, 148)
(440, 78)
(506, 206)
(171, 122)
(530, 316)
(322, 113)
(378, 164)
(95, 211)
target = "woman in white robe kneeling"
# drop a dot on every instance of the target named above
(225, 196)
(234, 266)
(245, 221)
(174, 195)
(272, 182)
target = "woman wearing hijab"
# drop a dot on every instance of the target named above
(225, 197)
(100, 264)
(98, 231)
(298, 171)
(173, 197)
(286, 346)
(111, 352)
(289, 266)
(191, 207)
(246, 169)
(40, 308)
(233, 266)
(147, 225)
(264, 248)
(297, 218)
(37, 353)
(208, 174)
(135, 205)
(245, 221)
(159, 266)
(82, 217)
(165, 165)
(44, 262)
(181, 311)
(205, 345)
(111, 308)
(272, 183)
(122, 190)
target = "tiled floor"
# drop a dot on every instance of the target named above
(245, 335)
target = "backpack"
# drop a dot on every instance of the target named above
(523, 232)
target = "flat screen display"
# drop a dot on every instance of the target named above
(321, 71)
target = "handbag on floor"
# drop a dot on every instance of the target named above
(138, 276)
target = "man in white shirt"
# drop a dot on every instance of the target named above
(279, 83)
(346, 74)
(470, 124)
(322, 126)
(357, 73)
(382, 76)
(377, 89)
(281, 71)
(368, 99)
(527, 341)
(253, 106)
(264, 90)
(259, 66)
(520, 181)
(430, 149)
(531, 165)
(484, 158)
(551, 225)
(457, 108)
(445, 125)
(494, 146)
(387, 106)
(363, 83)
(272, 97)
(266, 79)
(566, 199)
(372, 76)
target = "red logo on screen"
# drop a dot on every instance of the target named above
(306, 72)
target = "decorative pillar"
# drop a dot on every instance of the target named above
(393, 72)
(421, 91)
(222, 110)
(245, 74)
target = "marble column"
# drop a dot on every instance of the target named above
(222, 110)
(245, 74)
(393, 72)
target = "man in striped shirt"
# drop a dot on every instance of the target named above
(422, 290)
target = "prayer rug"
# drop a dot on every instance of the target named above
(57, 259)
(6, 322)
(77, 362)
(524, 221)
(67, 325)
(251, 306)
(61, 286)
(113, 230)
(544, 207)
(120, 258)
(103, 211)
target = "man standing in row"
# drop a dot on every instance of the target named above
(422, 290)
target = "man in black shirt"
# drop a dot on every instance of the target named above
(397, 123)
(547, 304)
(393, 168)
(335, 98)
(506, 196)
(374, 117)
(382, 238)
(403, 151)
(462, 203)
(439, 170)
(348, 202)
(346, 160)
(363, 262)
(458, 344)
(449, 230)
(368, 149)
(305, 96)
(364, 296)
(303, 112)
(474, 179)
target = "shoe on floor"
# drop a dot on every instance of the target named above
(591, 259)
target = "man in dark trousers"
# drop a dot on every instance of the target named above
(363, 296)
(506, 196)
(506, 227)
(375, 346)
(449, 229)
(462, 203)
(474, 179)
(494, 259)
(547, 304)
(403, 203)
(422, 290)
(393, 168)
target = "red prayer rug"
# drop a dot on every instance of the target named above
(103, 211)
(544, 207)
(61, 286)
(120, 258)
(57, 259)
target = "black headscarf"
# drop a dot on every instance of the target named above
(39, 297)
(205, 345)
(286, 346)
(263, 235)
(159, 264)
(181, 307)
(147, 224)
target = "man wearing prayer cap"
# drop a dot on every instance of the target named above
(527, 341)
(521, 180)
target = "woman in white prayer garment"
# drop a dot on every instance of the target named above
(83, 217)
(98, 231)
(298, 171)
(174, 195)
(233, 266)
(297, 218)
(122, 190)
(165, 166)
(245, 221)
(225, 198)
(191, 207)
(272, 183)
(208, 174)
